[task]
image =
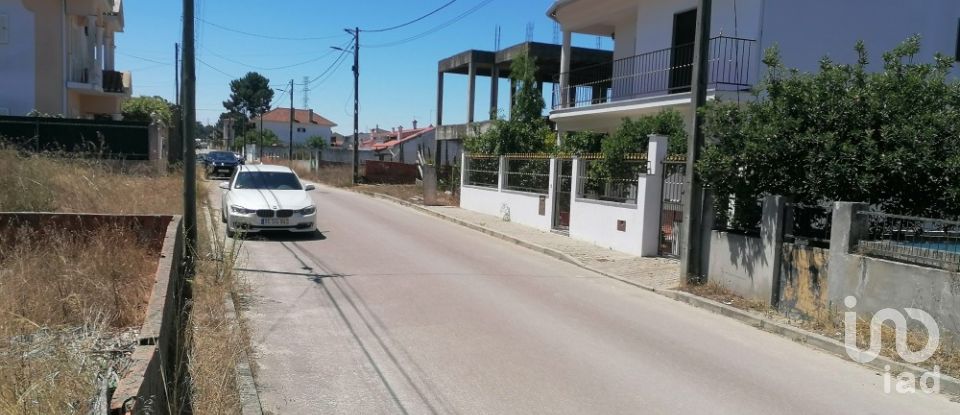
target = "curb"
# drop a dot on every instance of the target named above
(249, 396)
(948, 385)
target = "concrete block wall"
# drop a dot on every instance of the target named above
(750, 265)
(878, 283)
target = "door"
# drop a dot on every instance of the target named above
(681, 53)
(671, 207)
(563, 194)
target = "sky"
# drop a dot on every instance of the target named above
(292, 39)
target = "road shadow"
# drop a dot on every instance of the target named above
(280, 236)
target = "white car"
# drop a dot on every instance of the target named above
(267, 198)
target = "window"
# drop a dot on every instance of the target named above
(267, 181)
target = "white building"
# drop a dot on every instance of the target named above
(653, 47)
(58, 58)
(306, 124)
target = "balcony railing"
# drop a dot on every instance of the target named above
(113, 81)
(660, 72)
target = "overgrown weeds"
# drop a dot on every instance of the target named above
(52, 183)
(67, 304)
(216, 341)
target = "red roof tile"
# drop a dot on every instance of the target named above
(299, 117)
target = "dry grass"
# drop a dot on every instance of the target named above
(412, 193)
(64, 299)
(68, 299)
(216, 342)
(828, 323)
(46, 183)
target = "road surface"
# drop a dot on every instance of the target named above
(394, 312)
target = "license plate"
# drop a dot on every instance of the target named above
(223, 170)
(274, 221)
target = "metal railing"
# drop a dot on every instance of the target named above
(593, 184)
(482, 171)
(920, 241)
(664, 71)
(530, 175)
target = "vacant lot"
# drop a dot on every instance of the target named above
(70, 301)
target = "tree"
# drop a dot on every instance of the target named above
(889, 138)
(316, 142)
(526, 131)
(250, 96)
(142, 108)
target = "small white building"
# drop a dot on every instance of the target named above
(306, 124)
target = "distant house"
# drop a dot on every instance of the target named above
(306, 124)
(402, 146)
(58, 58)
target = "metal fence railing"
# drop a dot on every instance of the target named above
(664, 71)
(808, 224)
(530, 175)
(482, 170)
(596, 184)
(915, 240)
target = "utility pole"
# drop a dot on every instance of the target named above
(693, 198)
(189, 121)
(291, 121)
(260, 146)
(176, 72)
(356, 104)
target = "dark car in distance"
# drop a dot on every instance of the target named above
(220, 164)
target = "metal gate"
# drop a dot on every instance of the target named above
(563, 195)
(671, 205)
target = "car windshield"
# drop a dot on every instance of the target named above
(221, 156)
(267, 181)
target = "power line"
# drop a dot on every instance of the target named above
(215, 68)
(263, 68)
(434, 29)
(336, 63)
(263, 36)
(142, 58)
(386, 29)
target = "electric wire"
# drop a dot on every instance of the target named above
(263, 36)
(264, 68)
(387, 29)
(432, 30)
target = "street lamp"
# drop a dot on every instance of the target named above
(356, 99)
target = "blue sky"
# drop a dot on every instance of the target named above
(398, 83)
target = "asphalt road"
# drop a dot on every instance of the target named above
(391, 311)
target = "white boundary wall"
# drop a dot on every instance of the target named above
(590, 220)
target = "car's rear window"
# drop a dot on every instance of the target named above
(267, 181)
(221, 156)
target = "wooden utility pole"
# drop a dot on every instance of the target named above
(176, 72)
(189, 122)
(356, 104)
(290, 156)
(692, 235)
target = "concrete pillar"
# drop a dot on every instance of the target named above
(471, 90)
(90, 44)
(650, 186)
(846, 228)
(463, 169)
(767, 286)
(109, 58)
(494, 90)
(502, 174)
(565, 69)
(439, 99)
(97, 78)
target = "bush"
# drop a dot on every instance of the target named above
(888, 138)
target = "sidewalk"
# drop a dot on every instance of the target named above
(651, 273)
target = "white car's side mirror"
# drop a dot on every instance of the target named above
(225, 185)
(309, 187)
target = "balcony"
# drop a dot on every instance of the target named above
(657, 73)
